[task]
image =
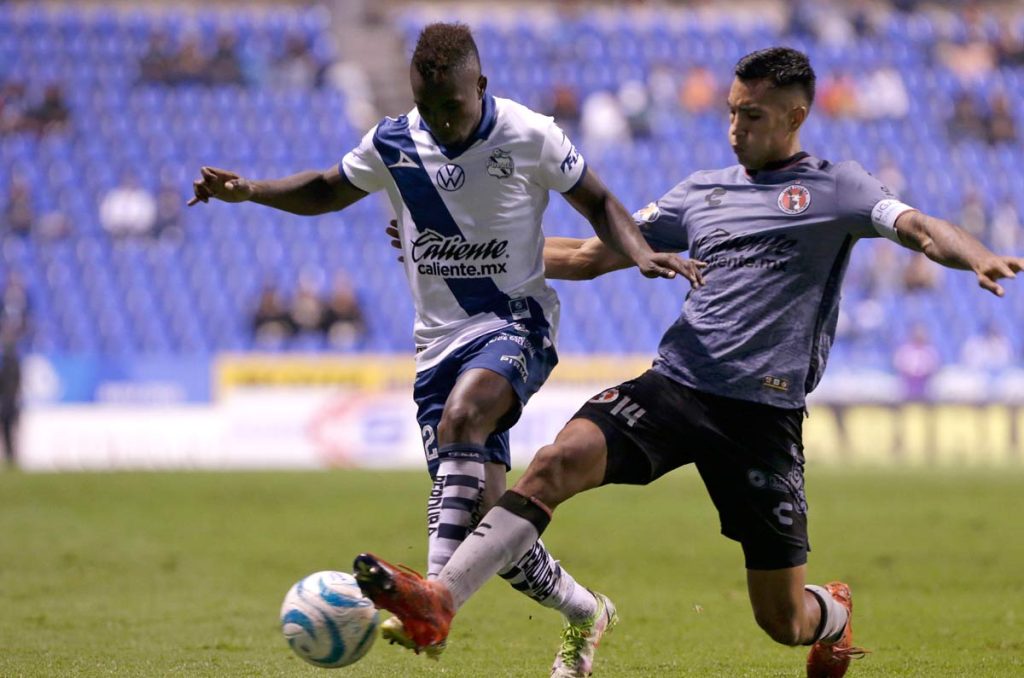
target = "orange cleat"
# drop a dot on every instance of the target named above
(425, 607)
(830, 660)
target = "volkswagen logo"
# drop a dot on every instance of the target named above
(451, 177)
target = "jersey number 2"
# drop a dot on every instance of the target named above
(429, 442)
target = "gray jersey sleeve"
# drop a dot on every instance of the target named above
(867, 207)
(662, 223)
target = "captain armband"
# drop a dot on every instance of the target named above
(884, 215)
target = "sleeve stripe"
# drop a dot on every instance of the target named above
(580, 179)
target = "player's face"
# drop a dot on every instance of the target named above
(451, 106)
(763, 121)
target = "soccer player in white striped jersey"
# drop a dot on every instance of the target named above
(468, 175)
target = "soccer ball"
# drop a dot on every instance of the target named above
(327, 621)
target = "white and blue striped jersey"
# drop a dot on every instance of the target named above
(470, 218)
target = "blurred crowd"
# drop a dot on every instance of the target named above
(190, 62)
(126, 210)
(175, 63)
(336, 318)
(132, 210)
(878, 92)
(42, 114)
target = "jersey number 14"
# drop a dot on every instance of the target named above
(629, 411)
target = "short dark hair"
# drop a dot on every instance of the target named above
(782, 66)
(443, 48)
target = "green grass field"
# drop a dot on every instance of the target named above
(183, 574)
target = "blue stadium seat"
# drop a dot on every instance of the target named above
(96, 295)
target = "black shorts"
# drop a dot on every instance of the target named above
(749, 455)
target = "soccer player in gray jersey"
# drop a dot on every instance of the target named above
(728, 387)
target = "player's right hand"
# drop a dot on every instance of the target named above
(667, 265)
(392, 231)
(220, 184)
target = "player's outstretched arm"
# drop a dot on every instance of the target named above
(306, 193)
(617, 230)
(951, 246)
(580, 259)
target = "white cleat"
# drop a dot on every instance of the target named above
(391, 630)
(575, 659)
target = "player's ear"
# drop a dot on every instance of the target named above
(481, 86)
(797, 115)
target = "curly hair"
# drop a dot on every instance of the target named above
(783, 66)
(443, 48)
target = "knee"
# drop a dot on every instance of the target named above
(548, 470)
(780, 627)
(461, 422)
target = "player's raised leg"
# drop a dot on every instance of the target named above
(793, 613)
(537, 574)
(574, 463)
(522, 356)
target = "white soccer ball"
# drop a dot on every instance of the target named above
(327, 621)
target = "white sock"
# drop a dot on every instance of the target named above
(833, 615)
(539, 575)
(499, 540)
(452, 508)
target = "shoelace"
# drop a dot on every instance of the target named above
(573, 640)
(408, 570)
(852, 652)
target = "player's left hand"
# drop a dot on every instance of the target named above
(667, 265)
(995, 268)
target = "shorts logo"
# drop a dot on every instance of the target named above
(781, 512)
(500, 165)
(648, 214)
(772, 481)
(450, 177)
(794, 199)
(519, 309)
(779, 483)
(519, 362)
(606, 396)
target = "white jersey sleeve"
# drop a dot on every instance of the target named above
(561, 166)
(363, 165)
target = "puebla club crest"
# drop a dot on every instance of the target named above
(500, 164)
(794, 199)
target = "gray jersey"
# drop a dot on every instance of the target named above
(777, 243)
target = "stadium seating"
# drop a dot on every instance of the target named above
(97, 295)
